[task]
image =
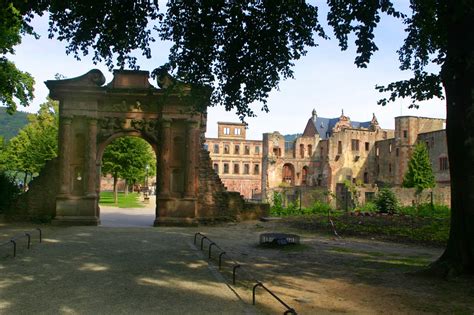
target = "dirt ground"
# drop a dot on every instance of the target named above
(322, 275)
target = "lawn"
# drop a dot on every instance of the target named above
(131, 200)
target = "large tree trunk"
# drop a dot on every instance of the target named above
(115, 190)
(458, 79)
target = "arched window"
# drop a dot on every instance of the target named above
(289, 174)
(304, 176)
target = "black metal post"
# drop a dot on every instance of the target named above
(40, 235)
(220, 259)
(14, 247)
(202, 241)
(29, 240)
(210, 247)
(233, 273)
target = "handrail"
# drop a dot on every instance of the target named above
(14, 240)
(289, 310)
(236, 265)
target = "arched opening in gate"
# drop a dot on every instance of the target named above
(127, 185)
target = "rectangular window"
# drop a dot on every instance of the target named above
(226, 130)
(397, 151)
(226, 168)
(366, 178)
(216, 148)
(405, 134)
(310, 149)
(389, 168)
(236, 149)
(339, 147)
(247, 150)
(216, 168)
(443, 163)
(277, 151)
(226, 149)
(237, 131)
(302, 151)
(355, 145)
(236, 169)
(367, 146)
(257, 149)
(246, 169)
(256, 169)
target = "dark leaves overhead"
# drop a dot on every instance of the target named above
(113, 29)
(242, 48)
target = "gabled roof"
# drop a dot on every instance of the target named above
(323, 126)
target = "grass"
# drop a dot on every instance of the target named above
(131, 200)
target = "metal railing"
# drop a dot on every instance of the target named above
(13, 240)
(236, 265)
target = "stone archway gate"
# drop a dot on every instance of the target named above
(92, 115)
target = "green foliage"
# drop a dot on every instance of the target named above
(386, 201)
(318, 207)
(426, 210)
(277, 204)
(127, 158)
(368, 207)
(35, 144)
(419, 174)
(8, 192)
(10, 124)
(15, 85)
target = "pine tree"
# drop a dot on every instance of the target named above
(419, 174)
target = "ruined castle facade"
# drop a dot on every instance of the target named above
(329, 153)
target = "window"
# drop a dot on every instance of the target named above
(237, 131)
(397, 151)
(310, 150)
(236, 149)
(226, 130)
(378, 169)
(443, 163)
(226, 149)
(304, 176)
(339, 147)
(367, 146)
(236, 169)
(405, 133)
(377, 152)
(390, 148)
(277, 151)
(216, 148)
(288, 174)
(206, 147)
(216, 168)
(256, 169)
(301, 150)
(226, 168)
(389, 168)
(246, 169)
(355, 145)
(257, 149)
(366, 178)
(247, 150)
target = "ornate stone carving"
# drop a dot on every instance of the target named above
(112, 125)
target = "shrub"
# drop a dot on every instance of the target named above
(318, 207)
(277, 204)
(369, 206)
(9, 191)
(426, 210)
(386, 201)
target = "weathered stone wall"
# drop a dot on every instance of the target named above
(437, 148)
(218, 204)
(408, 196)
(39, 202)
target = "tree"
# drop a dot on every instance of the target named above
(419, 174)
(128, 158)
(35, 144)
(243, 49)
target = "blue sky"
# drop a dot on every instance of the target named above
(325, 79)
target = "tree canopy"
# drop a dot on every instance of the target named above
(35, 144)
(419, 174)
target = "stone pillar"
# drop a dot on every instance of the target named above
(64, 159)
(192, 140)
(164, 173)
(91, 158)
